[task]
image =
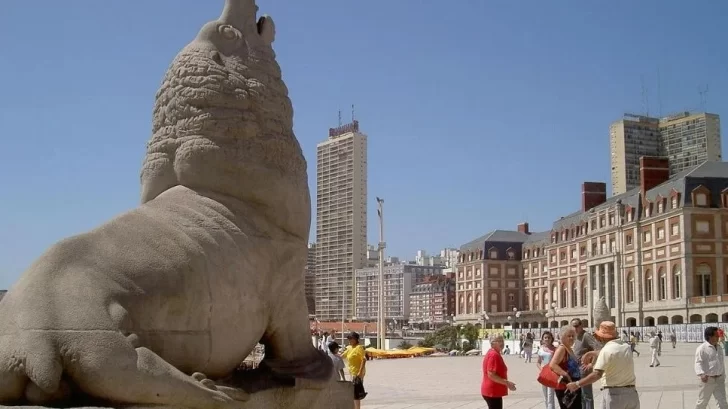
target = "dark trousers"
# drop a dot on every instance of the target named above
(575, 404)
(493, 403)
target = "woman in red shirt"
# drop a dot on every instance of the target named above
(495, 383)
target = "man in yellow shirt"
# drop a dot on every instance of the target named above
(356, 359)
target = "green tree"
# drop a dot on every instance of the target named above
(470, 333)
(404, 345)
(445, 337)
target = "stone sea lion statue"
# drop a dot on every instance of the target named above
(155, 306)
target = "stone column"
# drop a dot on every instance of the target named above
(590, 294)
(608, 277)
(600, 279)
(719, 268)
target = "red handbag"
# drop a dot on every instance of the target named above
(550, 379)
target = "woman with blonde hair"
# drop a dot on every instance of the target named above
(565, 364)
(495, 384)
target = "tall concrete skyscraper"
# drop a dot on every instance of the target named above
(309, 282)
(686, 139)
(341, 220)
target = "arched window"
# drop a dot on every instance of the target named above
(545, 300)
(574, 294)
(478, 302)
(662, 284)
(536, 303)
(648, 285)
(704, 285)
(554, 294)
(564, 295)
(461, 304)
(676, 282)
(630, 287)
(470, 304)
(584, 297)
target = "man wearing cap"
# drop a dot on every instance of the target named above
(355, 356)
(615, 367)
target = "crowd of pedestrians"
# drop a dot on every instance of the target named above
(571, 364)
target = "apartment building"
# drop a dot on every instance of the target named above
(341, 219)
(432, 302)
(658, 254)
(399, 280)
(309, 279)
(447, 257)
(490, 286)
(686, 139)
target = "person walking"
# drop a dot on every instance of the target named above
(544, 355)
(615, 367)
(633, 344)
(495, 384)
(323, 342)
(337, 361)
(355, 356)
(565, 364)
(655, 346)
(659, 348)
(710, 368)
(673, 338)
(528, 348)
(583, 344)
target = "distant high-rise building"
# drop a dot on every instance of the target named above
(449, 256)
(310, 279)
(341, 219)
(686, 139)
(399, 279)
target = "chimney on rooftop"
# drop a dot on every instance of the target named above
(523, 228)
(653, 171)
(592, 195)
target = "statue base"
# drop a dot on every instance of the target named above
(305, 395)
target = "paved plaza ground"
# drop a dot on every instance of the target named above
(454, 382)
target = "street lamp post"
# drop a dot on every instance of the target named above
(551, 313)
(381, 325)
(343, 314)
(485, 318)
(517, 315)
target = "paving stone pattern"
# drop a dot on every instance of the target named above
(454, 382)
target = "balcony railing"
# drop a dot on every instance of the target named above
(708, 299)
(600, 253)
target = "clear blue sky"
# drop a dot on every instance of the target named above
(480, 113)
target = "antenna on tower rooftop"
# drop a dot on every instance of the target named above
(352, 113)
(645, 97)
(659, 93)
(703, 97)
(339, 117)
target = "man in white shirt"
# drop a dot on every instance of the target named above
(655, 343)
(710, 368)
(339, 366)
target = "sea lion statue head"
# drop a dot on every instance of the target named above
(223, 122)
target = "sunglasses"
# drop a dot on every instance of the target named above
(568, 398)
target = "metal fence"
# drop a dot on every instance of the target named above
(683, 332)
